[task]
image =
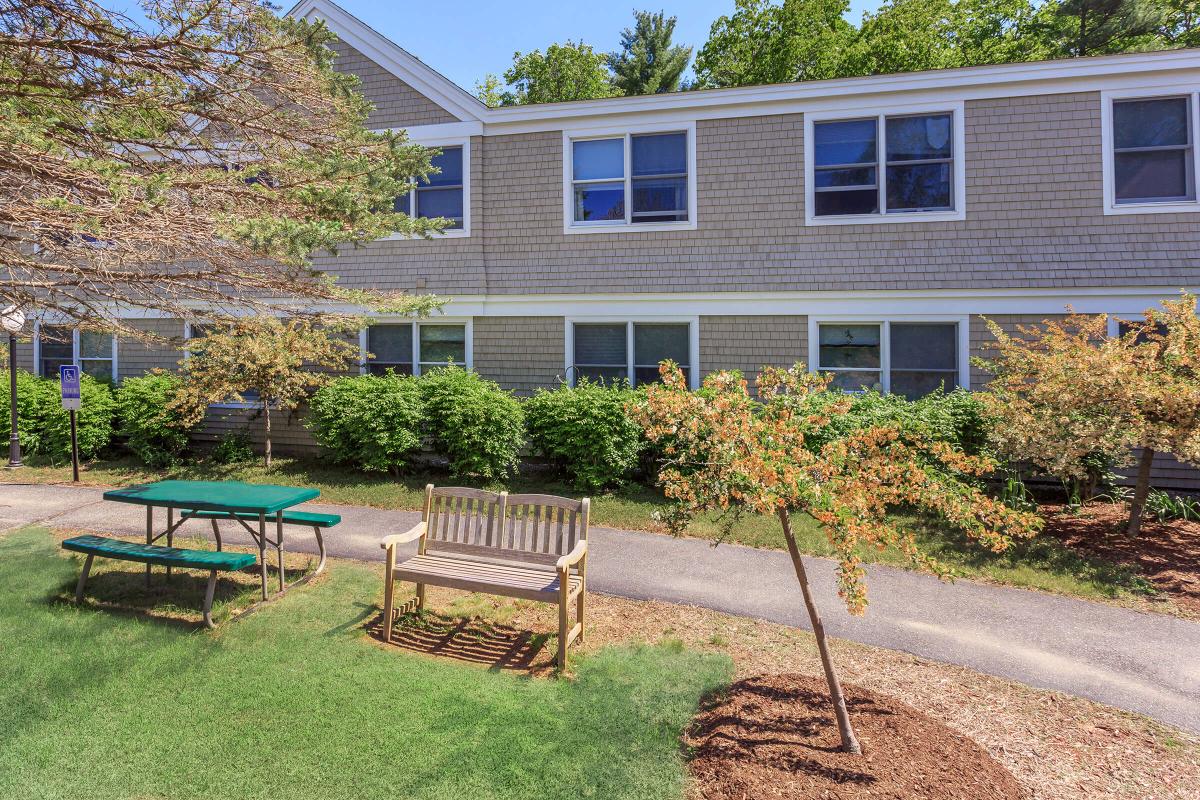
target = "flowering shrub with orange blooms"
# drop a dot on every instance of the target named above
(1066, 390)
(725, 451)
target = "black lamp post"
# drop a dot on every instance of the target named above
(13, 321)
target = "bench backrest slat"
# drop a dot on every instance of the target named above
(532, 528)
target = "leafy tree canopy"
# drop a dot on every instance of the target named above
(197, 162)
(648, 63)
(570, 71)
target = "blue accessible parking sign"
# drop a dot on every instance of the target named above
(68, 375)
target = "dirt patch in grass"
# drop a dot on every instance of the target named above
(774, 736)
(1167, 554)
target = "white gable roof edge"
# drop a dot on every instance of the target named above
(393, 58)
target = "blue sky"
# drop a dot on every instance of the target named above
(473, 37)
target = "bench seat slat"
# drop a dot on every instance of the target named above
(479, 576)
(309, 518)
(154, 554)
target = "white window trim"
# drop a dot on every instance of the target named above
(570, 226)
(455, 233)
(962, 343)
(1108, 157)
(468, 340)
(957, 111)
(693, 323)
(76, 357)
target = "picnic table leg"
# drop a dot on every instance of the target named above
(320, 550)
(217, 534)
(170, 534)
(208, 598)
(149, 536)
(279, 545)
(262, 551)
(83, 576)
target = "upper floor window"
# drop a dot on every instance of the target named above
(629, 180)
(906, 358)
(444, 194)
(632, 351)
(1152, 150)
(408, 348)
(885, 168)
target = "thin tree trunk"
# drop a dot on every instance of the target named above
(267, 446)
(849, 740)
(1141, 491)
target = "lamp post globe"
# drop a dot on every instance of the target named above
(12, 319)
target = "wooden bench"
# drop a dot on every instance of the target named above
(531, 546)
(105, 547)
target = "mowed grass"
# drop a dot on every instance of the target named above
(1042, 563)
(295, 701)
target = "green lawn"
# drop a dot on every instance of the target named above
(295, 702)
(1039, 564)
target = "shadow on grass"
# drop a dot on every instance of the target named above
(473, 640)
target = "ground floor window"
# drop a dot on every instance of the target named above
(408, 348)
(94, 352)
(906, 358)
(632, 351)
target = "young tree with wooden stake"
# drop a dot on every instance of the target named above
(281, 361)
(1064, 391)
(727, 452)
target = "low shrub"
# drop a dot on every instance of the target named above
(372, 422)
(474, 423)
(154, 433)
(95, 419)
(233, 448)
(585, 432)
(954, 417)
(36, 397)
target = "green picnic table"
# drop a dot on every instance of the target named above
(244, 503)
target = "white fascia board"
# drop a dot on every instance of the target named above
(968, 82)
(895, 304)
(395, 59)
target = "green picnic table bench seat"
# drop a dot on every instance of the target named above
(310, 518)
(213, 561)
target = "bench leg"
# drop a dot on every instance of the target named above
(320, 549)
(83, 576)
(262, 552)
(149, 537)
(170, 535)
(209, 591)
(579, 603)
(420, 597)
(279, 547)
(217, 534)
(563, 621)
(389, 594)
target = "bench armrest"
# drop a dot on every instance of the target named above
(574, 557)
(416, 532)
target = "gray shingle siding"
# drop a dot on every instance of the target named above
(397, 105)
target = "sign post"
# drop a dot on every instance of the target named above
(68, 375)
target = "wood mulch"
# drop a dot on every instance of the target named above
(1167, 554)
(773, 736)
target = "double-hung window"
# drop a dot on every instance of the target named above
(905, 358)
(628, 351)
(93, 352)
(630, 180)
(409, 348)
(885, 167)
(1150, 159)
(441, 194)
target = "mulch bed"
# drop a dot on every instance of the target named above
(1165, 553)
(774, 736)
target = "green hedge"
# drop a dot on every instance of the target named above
(585, 432)
(44, 426)
(372, 422)
(476, 425)
(151, 431)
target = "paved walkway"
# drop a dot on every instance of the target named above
(1147, 663)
